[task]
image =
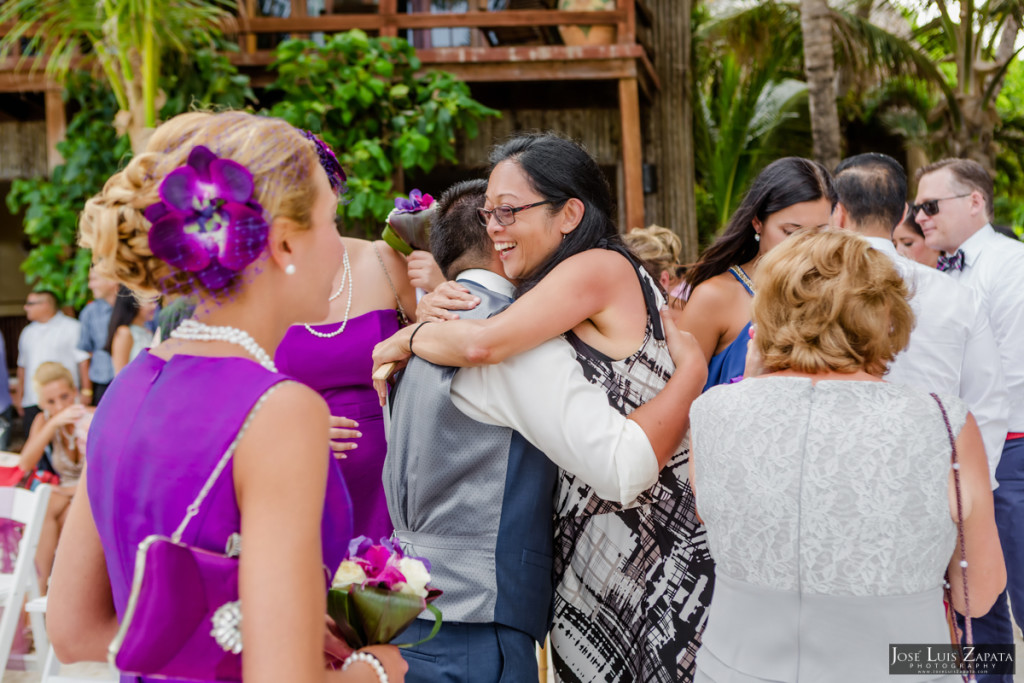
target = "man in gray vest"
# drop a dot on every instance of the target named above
(467, 481)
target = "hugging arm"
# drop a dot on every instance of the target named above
(577, 289)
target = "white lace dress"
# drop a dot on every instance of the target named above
(827, 516)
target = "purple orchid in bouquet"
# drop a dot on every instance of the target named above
(207, 221)
(378, 591)
(408, 225)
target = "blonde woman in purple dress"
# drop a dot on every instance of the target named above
(236, 210)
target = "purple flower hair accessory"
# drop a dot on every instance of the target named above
(328, 160)
(417, 201)
(207, 222)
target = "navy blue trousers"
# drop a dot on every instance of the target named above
(469, 653)
(995, 627)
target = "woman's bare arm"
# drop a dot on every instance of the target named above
(580, 288)
(121, 348)
(80, 616)
(986, 570)
(398, 272)
(705, 316)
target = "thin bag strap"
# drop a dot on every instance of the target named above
(969, 635)
(404, 318)
(193, 509)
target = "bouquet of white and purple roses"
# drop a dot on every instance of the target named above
(378, 591)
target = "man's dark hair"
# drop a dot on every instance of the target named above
(51, 295)
(967, 173)
(872, 188)
(457, 239)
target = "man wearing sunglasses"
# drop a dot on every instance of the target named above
(954, 209)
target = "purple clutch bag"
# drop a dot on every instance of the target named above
(183, 618)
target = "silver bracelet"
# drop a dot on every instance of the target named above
(366, 657)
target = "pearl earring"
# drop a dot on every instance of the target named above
(757, 237)
(289, 269)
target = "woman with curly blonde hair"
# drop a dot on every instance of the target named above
(827, 492)
(238, 211)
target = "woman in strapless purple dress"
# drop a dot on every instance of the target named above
(370, 297)
(235, 209)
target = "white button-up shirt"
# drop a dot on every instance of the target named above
(994, 269)
(952, 349)
(55, 340)
(543, 394)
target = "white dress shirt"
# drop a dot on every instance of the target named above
(994, 269)
(543, 394)
(951, 349)
(55, 340)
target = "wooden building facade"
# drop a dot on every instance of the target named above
(627, 100)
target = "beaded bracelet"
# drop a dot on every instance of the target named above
(367, 658)
(413, 335)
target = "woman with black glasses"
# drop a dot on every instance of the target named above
(633, 580)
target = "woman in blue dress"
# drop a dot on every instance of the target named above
(790, 194)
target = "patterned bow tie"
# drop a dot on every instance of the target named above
(954, 262)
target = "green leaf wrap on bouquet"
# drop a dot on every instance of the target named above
(374, 616)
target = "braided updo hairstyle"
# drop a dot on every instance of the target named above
(113, 225)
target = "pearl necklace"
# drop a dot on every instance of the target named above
(346, 277)
(194, 330)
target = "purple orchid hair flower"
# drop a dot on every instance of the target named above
(417, 201)
(328, 160)
(207, 222)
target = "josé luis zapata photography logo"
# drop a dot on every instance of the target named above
(947, 659)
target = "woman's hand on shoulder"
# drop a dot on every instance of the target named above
(684, 349)
(423, 271)
(441, 304)
(707, 314)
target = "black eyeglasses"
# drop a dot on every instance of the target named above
(931, 207)
(504, 214)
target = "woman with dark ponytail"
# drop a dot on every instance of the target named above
(623, 569)
(788, 195)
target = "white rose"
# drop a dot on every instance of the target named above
(416, 577)
(348, 573)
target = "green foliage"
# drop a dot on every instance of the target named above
(92, 151)
(745, 100)
(363, 96)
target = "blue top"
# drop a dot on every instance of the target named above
(95, 320)
(730, 361)
(5, 395)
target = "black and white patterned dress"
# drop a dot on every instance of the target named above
(632, 585)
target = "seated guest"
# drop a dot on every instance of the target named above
(55, 428)
(467, 480)
(827, 493)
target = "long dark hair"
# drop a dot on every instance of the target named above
(126, 307)
(782, 183)
(559, 170)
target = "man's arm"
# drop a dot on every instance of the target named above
(19, 392)
(983, 388)
(544, 395)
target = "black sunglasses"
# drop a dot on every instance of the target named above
(931, 207)
(504, 214)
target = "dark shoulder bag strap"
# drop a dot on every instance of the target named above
(969, 634)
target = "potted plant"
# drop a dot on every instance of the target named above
(603, 34)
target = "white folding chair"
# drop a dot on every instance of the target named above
(29, 508)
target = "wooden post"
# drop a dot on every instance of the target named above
(632, 153)
(388, 9)
(56, 125)
(671, 124)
